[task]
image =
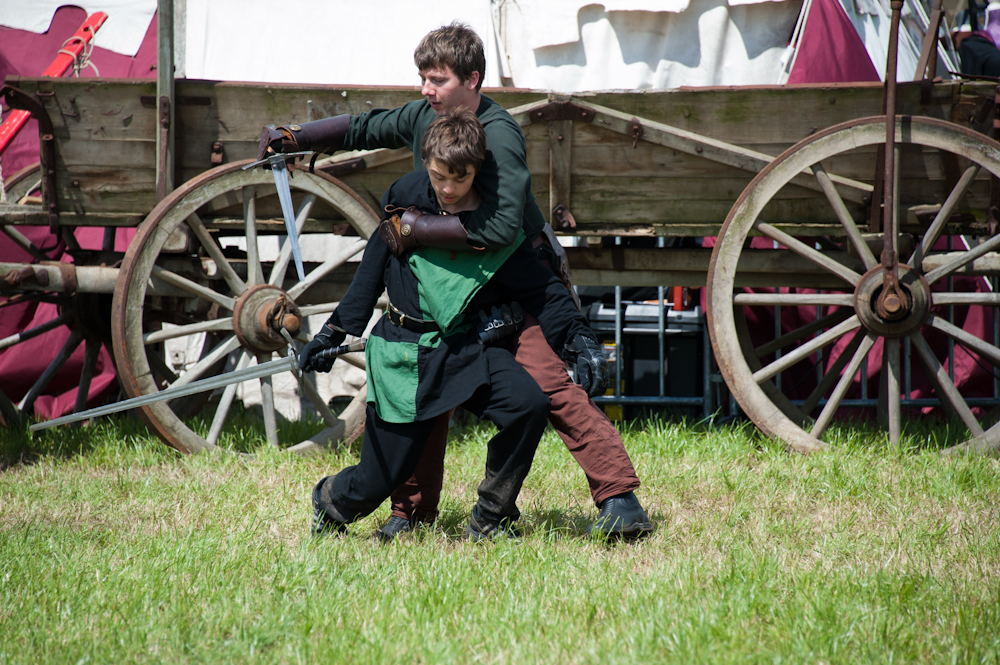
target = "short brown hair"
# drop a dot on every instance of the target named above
(456, 46)
(456, 139)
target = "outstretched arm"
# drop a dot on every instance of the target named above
(354, 310)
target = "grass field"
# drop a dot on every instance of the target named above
(113, 548)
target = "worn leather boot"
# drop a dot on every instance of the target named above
(480, 528)
(327, 520)
(394, 527)
(621, 517)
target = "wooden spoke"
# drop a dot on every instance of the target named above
(342, 256)
(186, 284)
(285, 255)
(987, 299)
(945, 388)
(808, 253)
(323, 308)
(786, 361)
(21, 241)
(222, 411)
(826, 415)
(962, 259)
(191, 329)
(60, 320)
(202, 366)
(803, 332)
(255, 273)
(832, 374)
(160, 368)
(328, 416)
(853, 233)
(27, 403)
(892, 388)
(795, 299)
(926, 243)
(89, 363)
(267, 403)
(236, 285)
(983, 348)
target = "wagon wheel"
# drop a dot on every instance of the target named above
(85, 315)
(847, 316)
(241, 297)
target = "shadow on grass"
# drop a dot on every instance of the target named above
(20, 446)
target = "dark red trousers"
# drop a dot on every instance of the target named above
(590, 437)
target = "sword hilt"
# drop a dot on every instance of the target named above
(327, 354)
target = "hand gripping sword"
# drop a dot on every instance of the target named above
(288, 363)
(280, 171)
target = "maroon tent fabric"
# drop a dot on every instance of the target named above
(25, 53)
(830, 50)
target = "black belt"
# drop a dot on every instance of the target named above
(411, 323)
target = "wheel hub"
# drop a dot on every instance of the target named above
(260, 314)
(910, 305)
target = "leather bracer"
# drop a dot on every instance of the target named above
(402, 233)
(326, 135)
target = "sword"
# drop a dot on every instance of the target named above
(280, 171)
(288, 363)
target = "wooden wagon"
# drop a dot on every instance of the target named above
(794, 167)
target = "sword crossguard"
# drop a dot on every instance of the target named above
(276, 157)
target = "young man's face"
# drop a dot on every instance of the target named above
(451, 189)
(444, 91)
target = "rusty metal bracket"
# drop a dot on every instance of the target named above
(635, 131)
(18, 99)
(562, 111)
(565, 218)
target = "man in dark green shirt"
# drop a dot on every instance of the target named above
(451, 62)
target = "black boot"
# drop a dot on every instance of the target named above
(394, 527)
(327, 519)
(621, 517)
(480, 528)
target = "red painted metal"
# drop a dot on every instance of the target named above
(74, 46)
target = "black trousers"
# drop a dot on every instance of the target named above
(390, 451)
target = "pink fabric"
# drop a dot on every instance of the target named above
(993, 23)
(831, 50)
(25, 53)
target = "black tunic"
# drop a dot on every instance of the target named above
(413, 376)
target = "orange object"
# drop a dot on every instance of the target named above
(70, 51)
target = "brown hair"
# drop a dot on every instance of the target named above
(456, 139)
(456, 46)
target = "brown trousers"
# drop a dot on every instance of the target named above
(590, 437)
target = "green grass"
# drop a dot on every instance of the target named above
(114, 548)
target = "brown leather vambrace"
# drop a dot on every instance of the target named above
(326, 135)
(405, 232)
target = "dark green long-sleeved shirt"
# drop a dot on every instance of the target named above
(503, 181)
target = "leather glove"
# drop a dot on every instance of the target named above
(274, 140)
(591, 365)
(326, 338)
(326, 135)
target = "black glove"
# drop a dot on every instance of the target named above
(327, 338)
(591, 365)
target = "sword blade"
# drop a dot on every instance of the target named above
(280, 171)
(288, 363)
